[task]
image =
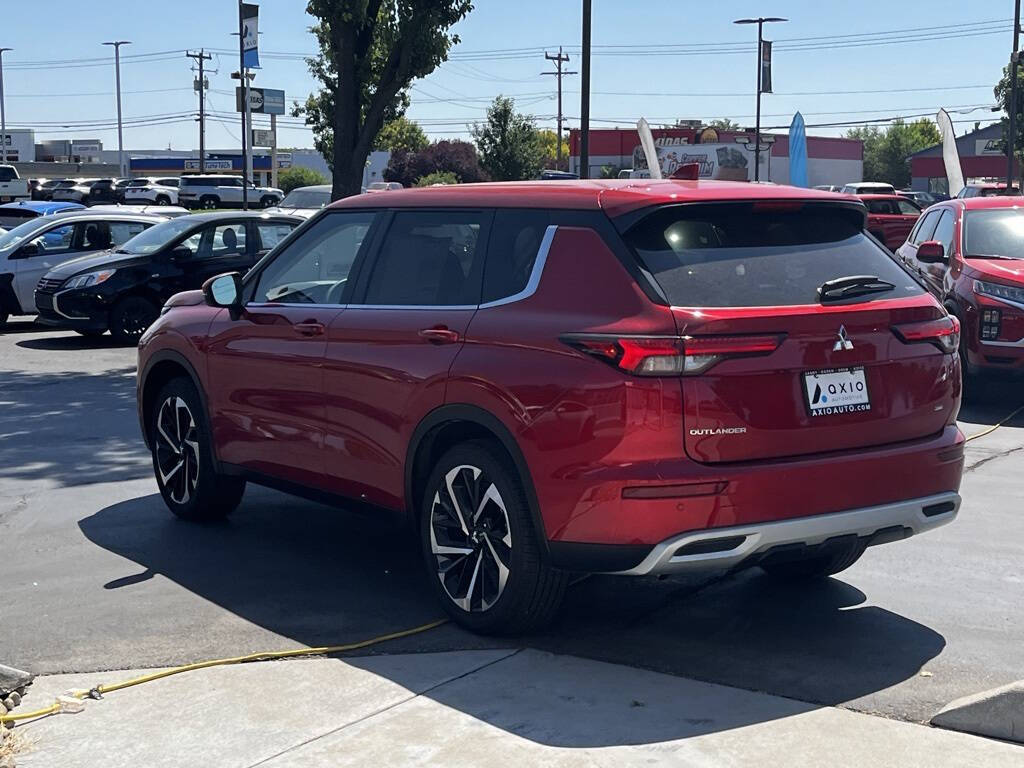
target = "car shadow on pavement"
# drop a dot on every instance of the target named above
(321, 576)
(21, 326)
(70, 428)
(991, 399)
(73, 341)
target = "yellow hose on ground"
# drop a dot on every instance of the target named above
(57, 706)
(994, 427)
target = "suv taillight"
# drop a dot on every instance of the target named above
(671, 355)
(944, 333)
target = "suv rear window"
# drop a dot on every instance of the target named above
(759, 254)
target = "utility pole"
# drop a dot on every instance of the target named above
(243, 76)
(117, 75)
(200, 58)
(760, 21)
(3, 114)
(585, 96)
(558, 73)
(1011, 140)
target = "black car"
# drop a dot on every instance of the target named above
(122, 290)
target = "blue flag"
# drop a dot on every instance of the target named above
(797, 152)
(250, 35)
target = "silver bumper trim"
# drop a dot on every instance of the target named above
(815, 529)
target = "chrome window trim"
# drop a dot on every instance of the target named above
(535, 274)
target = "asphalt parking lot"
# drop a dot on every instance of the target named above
(97, 575)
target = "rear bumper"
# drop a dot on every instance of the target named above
(736, 545)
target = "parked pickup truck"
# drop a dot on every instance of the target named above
(12, 186)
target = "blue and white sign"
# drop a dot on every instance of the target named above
(250, 35)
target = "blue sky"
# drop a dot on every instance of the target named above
(702, 78)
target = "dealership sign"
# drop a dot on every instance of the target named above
(267, 101)
(211, 165)
(988, 147)
(714, 161)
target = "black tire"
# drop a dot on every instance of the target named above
(163, 200)
(90, 334)
(820, 567)
(267, 200)
(209, 202)
(532, 592)
(182, 450)
(130, 318)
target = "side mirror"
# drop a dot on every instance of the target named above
(932, 252)
(224, 290)
(27, 251)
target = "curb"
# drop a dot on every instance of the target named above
(997, 713)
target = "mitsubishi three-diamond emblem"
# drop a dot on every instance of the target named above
(843, 344)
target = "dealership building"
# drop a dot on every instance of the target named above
(980, 159)
(829, 160)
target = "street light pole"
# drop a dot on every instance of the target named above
(117, 77)
(760, 21)
(584, 168)
(1011, 140)
(3, 114)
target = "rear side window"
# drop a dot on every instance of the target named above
(123, 231)
(512, 251)
(759, 254)
(429, 258)
(884, 207)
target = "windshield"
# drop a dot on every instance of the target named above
(156, 237)
(995, 232)
(14, 236)
(306, 198)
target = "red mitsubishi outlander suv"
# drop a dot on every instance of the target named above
(970, 254)
(632, 377)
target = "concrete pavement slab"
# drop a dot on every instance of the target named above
(480, 708)
(998, 713)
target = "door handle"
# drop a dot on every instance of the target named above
(309, 328)
(439, 335)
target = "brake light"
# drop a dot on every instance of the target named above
(944, 333)
(671, 355)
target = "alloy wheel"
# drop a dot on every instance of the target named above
(470, 538)
(177, 449)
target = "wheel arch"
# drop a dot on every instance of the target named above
(163, 366)
(449, 425)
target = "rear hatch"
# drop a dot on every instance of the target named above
(783, 357)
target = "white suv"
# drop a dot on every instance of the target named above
(159, 191)
(212, 191)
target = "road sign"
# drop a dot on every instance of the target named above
(267, 101)
(262, 137)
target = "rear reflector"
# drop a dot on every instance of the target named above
(687, 490)
(671, 355)
(943, 333)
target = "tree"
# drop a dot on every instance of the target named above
(724, 124)
(509, 143)
(297, 176)
(887, 152)
(370, 52)
(438, 177)
(1002, 94)
(456, 157)
(401, 133)
(549, 143)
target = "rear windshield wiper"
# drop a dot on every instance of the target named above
(853, 285)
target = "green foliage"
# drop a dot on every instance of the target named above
(401, 134)
(509, 143)
(438, 177)
(610, 171)
(297, 176)
(1002, 94)
(370, 52)
(549, 143)
(886, 153)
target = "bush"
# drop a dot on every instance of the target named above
(455, 157)
(437, 177)
(298, 176)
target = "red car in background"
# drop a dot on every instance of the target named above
(890, 218)
(970, 252)
(632, 377)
